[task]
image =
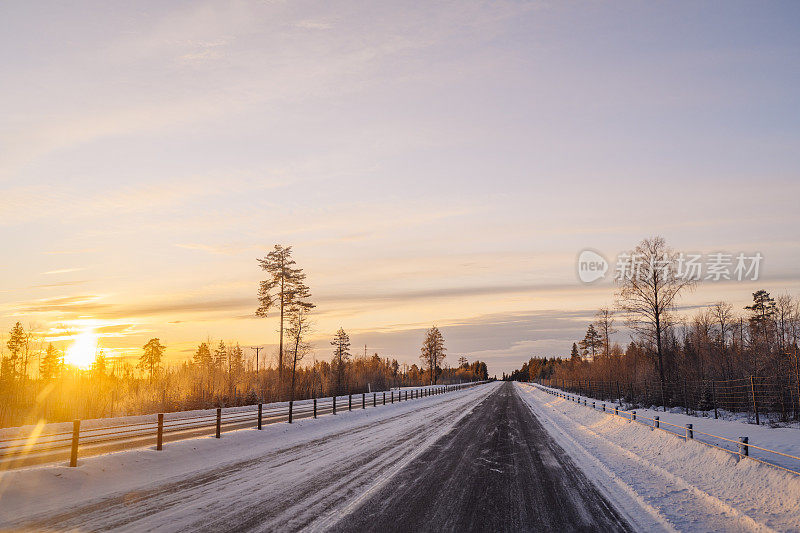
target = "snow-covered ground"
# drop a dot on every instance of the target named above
(780, 439)
(661, 482)
(283, 477)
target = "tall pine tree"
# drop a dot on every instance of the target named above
(432, 352)
(341, 354)
(284, 286)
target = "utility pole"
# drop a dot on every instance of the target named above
(256, 348)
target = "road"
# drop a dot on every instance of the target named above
(498, 470)
(474, 460)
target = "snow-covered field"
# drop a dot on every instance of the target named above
(663, 483)
(283, 477)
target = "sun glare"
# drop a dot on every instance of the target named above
(81, 352)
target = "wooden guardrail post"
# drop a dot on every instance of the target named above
(633, 416)
(755, 399)
(363, 401)
(291, 406)
(714, 398)
(392, 395)
(334, 404)
(657, 421)
(160, 434)
(76, 433)
(315, 407)
(689, 432)
(260, 413)
(744, 449)
(349, 402)
(384, 397)
(219, 422)
(374, 399)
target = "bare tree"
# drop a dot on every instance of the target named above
(299, 328)
(647, 292)
(723, 316)
(784, 308)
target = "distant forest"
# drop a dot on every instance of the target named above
(669, 354)
(36, 384)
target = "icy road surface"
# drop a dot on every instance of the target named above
(468, 460)
(498, 470)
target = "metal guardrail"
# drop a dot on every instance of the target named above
(742, 447)
(37, 446)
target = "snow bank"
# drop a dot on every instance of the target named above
(683, 485)
(780, 439)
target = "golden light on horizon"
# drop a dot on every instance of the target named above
(81, 353)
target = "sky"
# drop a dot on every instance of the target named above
(429, 162)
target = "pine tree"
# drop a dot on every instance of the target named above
(341, 354)
(150, 360)
(202, 358)
(99, 365)
(50, 366)
(284, 286)
(235, 367)
(220, 357)
(592, 342)
(432, 352)
(763, 312)
(575, 355)
(17, 343)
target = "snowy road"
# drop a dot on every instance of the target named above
(471, 460)
(498, 470)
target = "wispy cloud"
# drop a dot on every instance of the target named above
(63, 271)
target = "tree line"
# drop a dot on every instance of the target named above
(716, 343)
(36, 384)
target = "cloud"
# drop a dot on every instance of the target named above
(64, 271)
(313, 25)
(60, 284)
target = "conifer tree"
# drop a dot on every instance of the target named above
(284, 286)
(341, 354)
(592, 342)
(202, 358)
(17, 343)
(575, 354)
(150, 360)
(50, 366)
(432, 352)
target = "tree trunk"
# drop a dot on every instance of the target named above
(280, 346)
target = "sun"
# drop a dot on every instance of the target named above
(81, 353)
